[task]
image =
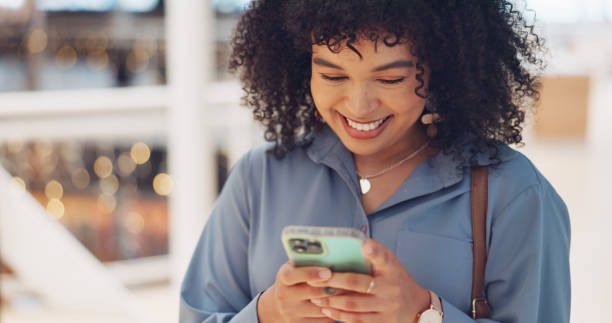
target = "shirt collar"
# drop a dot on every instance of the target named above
(327, 149)
(438, 172)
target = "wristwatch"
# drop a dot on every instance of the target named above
(434, 313)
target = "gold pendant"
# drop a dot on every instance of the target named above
(365, 185)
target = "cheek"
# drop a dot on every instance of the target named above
(405, 104)
(315, 93)
(323, 97)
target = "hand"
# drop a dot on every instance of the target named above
(287, 300)
(393, 297)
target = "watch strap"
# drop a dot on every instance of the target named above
(436, 304)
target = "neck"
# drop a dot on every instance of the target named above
(368, 164)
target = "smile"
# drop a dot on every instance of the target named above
(365, 126)
(364, 130)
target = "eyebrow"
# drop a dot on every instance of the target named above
(325, 63)
(397, 64)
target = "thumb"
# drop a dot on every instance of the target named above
(382, 258)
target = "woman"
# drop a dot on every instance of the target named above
(377, 111)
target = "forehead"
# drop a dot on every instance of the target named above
(364, 51)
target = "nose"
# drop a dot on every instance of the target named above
(361, 101)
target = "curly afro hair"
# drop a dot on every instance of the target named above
(483, 57)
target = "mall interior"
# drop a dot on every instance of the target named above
(110, 109)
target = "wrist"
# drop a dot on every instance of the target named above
(424, 302)
(265, 308)
(433, 312)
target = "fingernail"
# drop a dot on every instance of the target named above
(325, 274)
(369, 250)
(316, 301)
(326, 312)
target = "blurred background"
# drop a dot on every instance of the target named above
(119, 123)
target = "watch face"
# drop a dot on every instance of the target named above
(430, 316)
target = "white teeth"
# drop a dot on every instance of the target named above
(365, 126)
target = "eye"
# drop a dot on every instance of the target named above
(334, 78)
(395, 81)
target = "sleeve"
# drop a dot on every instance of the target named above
(527, 277)
(216, 285)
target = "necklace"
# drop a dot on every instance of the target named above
(364, 181)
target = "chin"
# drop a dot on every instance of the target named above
(360, 148)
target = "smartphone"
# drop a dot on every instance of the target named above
(337, 248)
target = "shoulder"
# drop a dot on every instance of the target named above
(259, 164)
(514, 172)
(261, 156)
(516, 180)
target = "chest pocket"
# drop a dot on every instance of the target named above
(441, 264)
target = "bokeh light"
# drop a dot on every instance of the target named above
(66, 57)
(103, 166)
(54, 190)
(37, 41)
(80, 178)
(140, 153)
(109, 185)
(126, 164)
(137, 60)
(55, 208)
(163, 184)
(97, 60)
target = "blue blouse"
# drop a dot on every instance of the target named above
(426, 223)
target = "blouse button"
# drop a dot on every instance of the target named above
(364, 228)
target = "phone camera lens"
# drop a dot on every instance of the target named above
(297, 242)
(314, 247)
(298, 245)
(306, 246)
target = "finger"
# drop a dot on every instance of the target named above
(352, 303)
(306, 309)
(347, 281)
(302, 291)
(324, 319)
(382, 258)
(302, 310)
(290, 275)
(348, 317)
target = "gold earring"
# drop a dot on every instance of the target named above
(430, 119)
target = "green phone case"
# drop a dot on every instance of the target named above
(337, 248)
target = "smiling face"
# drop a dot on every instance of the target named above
(370, 101)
